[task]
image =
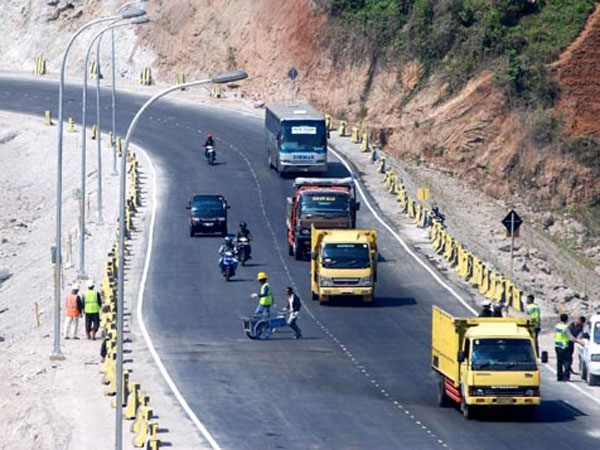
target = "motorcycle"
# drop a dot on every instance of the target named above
(228, 265)
(242, 249)
(438, 216)
(211, 155)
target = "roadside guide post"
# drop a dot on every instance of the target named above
(56, 352)
(293, 73)
(227, 77)
(512, 222)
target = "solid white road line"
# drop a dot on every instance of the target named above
(140, 318)
(428, 268)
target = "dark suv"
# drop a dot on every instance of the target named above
(208, 214)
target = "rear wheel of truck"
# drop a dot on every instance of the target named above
(442, 398)
(297, 251)
(323, 299)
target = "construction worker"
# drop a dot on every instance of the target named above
(91, 306)
(73, 309)
(486, 311)
(265, 296)
(533, 311)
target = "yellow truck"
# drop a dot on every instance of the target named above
(343, 263)
(484, 361)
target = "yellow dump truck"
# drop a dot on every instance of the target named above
(343, 263)
(484, 361)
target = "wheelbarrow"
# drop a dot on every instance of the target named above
(262, 327)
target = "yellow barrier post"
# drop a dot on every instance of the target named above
(132, 401)
(355, 135)
(343, 128)
(111, 140)
(364, 144)
(119, 147)
(48, 117)
(328, 123)
(153, 440)
(181, 79)
(71, 125)
(94, 132)
(142, 432)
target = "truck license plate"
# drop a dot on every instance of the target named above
(504, 400)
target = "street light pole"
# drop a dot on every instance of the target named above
(223, 78)
(115, 23)
(56, 352)
(114, 89)
(99, 219)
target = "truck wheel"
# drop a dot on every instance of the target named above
(466, 410)
(315, 296)
(297, 251)
(323, 299)
(368, 299)
(442, 398)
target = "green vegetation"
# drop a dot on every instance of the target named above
(516, 37)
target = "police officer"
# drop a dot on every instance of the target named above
(91, 307)
(265, 296)
(533, 311)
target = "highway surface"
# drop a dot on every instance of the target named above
(360, 377)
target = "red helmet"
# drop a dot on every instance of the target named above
(208, 135)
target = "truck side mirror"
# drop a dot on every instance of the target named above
(461, 356)
(313, 256)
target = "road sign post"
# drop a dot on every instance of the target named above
(512, 222)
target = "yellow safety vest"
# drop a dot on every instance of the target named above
(90, 302)
(533, 311)
(561, 340)
(266, 298)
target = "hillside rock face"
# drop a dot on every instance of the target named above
(474, 134)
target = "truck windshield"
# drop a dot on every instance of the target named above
(303, 136)
(503, 354)
(346, 256)
(330, 204)
(597, 333)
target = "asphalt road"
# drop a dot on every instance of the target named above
(360, 378)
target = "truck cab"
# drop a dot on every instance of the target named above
(343, 264)
(484, 361)
(322, 203)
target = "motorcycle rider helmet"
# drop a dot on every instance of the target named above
(228, 239)
(208, 135)
(243, 225)
(261, 276)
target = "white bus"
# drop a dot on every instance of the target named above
(295, 138)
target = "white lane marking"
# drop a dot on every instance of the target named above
(294, 286)
(429, 269)
(140, 318)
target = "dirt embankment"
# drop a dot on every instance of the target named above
(474, 134)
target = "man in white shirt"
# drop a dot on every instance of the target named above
(293, 308)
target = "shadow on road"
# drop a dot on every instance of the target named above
(550, 411)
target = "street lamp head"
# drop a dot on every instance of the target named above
(229, 77)
(133, 14)
(141, 21)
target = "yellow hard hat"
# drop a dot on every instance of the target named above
(261, 276)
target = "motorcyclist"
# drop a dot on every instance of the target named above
(227, 246)
(245, 233)
(209, 142)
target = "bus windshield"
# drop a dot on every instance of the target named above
(303, 136)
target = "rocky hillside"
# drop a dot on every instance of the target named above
(476, 88)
